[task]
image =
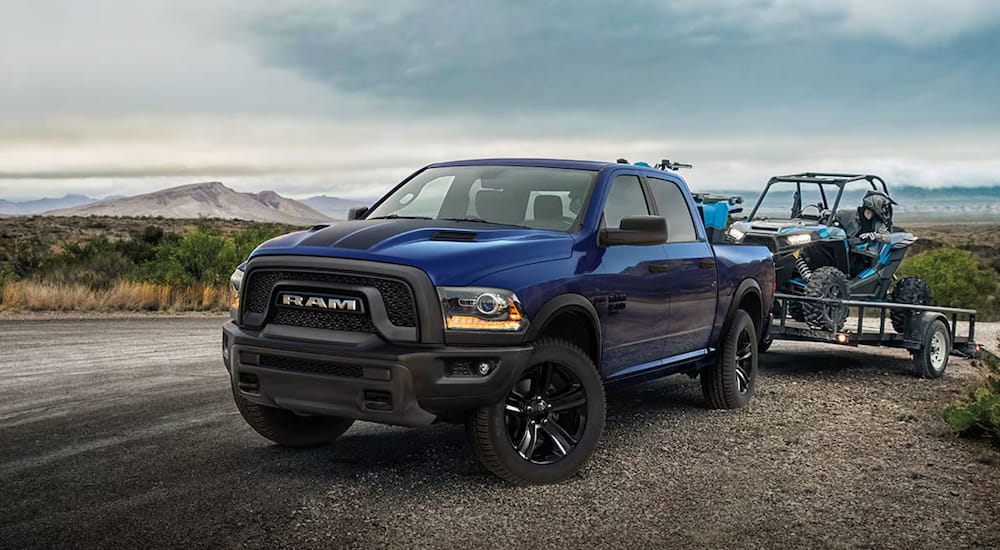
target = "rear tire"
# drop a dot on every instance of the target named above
(910, 290)
(729, 383)
(826, 282)
(289, 429)
(549, 423)
(931, 359)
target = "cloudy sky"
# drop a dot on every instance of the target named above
(347, 97)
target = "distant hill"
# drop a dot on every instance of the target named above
(335, 207)
(30, 208)
(203, 200)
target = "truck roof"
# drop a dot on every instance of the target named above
(540, 162)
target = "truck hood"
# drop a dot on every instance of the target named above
(451, 253)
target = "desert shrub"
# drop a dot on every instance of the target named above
(980, 414)
(955, 276)
(25, 257)
(152, 269)
(96, 263)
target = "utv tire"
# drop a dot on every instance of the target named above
(826, 282)
(289, 429)
(910, 290)
(729, 382)
(795, 312)
(550, 421)
(932, 358)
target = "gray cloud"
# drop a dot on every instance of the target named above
(689, 65)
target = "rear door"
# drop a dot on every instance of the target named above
(632, 292)
(692, 272)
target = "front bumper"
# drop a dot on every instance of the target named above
(407, 385)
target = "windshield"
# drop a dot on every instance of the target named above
(525, 196)
(788, 200)
(813, 200)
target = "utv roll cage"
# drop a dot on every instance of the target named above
(822, 179)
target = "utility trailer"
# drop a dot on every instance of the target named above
(929, 332)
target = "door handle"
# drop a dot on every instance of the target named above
(659, 268)
(706, 264)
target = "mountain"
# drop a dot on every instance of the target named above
(203, 200)
(29, 208)
(336, 207)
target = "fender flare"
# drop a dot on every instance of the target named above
(562, 304)
(746, 286)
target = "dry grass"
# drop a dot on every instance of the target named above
(123, 296)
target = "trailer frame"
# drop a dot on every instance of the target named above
(914, 336)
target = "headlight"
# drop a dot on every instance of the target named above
(479, 308)
(800, 239)
(736, 234)
(235, 282)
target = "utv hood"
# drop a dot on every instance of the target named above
(451, 253)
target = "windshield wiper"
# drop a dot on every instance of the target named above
(398, 217)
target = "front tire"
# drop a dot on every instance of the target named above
(729, 383)
(549, 423)
(826, 282)
(289, 429)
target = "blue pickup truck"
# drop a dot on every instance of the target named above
(502, 293)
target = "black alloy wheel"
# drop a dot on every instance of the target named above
(549, 423)
(546, 413)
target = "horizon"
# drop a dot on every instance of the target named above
(297, 98)
(992, 189)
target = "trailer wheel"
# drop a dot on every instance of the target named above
(932, 358)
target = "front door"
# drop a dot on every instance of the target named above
(632, 294)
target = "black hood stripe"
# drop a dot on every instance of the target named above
(364, 234)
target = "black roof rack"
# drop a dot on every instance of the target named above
(832, 178)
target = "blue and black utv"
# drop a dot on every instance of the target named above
(823, 249)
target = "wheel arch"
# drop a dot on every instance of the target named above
(748, 297)
(560, 315)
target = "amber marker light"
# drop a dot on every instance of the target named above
(469, 322)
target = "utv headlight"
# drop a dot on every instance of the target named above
(235, 283)
(799, 239)
(480, 308)
(736, 234)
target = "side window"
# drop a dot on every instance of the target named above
(625, 199)
(670, 200)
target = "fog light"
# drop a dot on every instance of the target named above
(470, 366)
(841, 338)
(484, 368)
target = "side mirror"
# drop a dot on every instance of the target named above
(636, 231)
(356, 212)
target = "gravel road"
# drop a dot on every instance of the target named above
(121, 432)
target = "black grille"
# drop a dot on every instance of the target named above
(308, 365)
(398, 298)
(351, 322)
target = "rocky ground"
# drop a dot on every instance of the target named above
(121, 432)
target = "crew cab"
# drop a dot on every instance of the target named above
(503, 293)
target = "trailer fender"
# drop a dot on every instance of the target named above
(916, 328)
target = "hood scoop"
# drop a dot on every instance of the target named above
(455, 236)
